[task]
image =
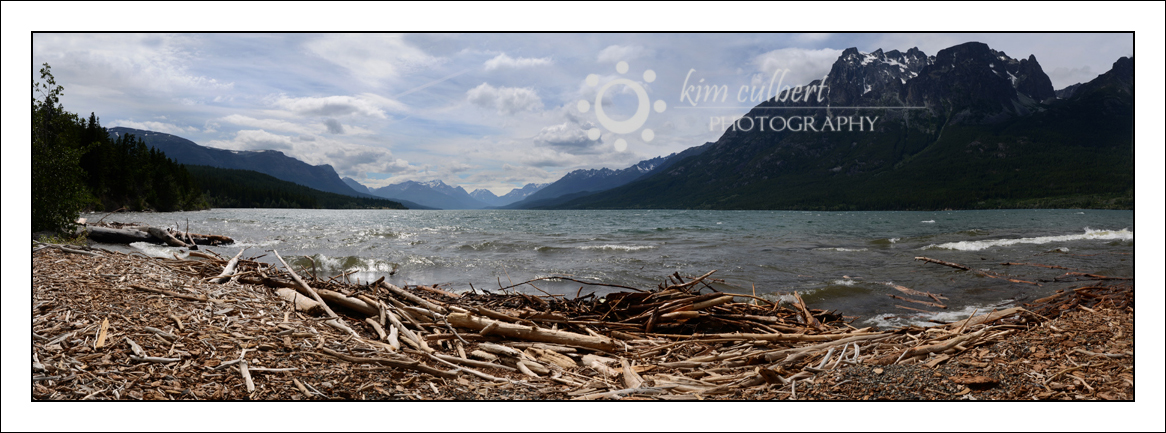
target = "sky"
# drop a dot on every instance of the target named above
(479, 110)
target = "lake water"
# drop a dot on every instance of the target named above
(835, 260)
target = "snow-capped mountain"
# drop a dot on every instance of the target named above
(434, 193)
(516, 194)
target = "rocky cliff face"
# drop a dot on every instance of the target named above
(972, 83)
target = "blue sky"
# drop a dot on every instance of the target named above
(479, 110)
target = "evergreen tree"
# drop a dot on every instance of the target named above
(57, 192)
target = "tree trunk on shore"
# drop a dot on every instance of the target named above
(147, 234)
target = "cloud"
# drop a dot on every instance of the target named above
(346, 158)
(507, 100)
(568, 137)
(168, 128)
(616, 53)
(366, 104)
(505, 61)
(803, 65)
(269, 124)
(334, 126)
(111, 65)
(371, 58)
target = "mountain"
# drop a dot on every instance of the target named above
(978, 129)
(271, 162)
(485, 196)
(356, 186)
(516, 194)
(433, 194)
(232, 188)
(585, 181)
(1067, 92)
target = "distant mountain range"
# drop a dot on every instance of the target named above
(979, 129)
(516, 194)
(969, 127)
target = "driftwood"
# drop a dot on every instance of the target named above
(115, 236)
(531, 333)
(414, 298)
(128, 235)
(336, 319)
(301, 302)
(941, 262)
(165, 237)
(229, 269)
(535, 347)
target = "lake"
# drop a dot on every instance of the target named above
(836, 260)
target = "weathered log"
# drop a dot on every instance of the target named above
(165, 237)
(202, 239)
(532, 333)
(301, 302)
(229, 269)
(349, 303)
(414, 298)
(115, 236)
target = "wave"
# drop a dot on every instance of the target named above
(840, 249)
(618, 247)
(333, 265)
(928, 222)
(896, 320)
(1119, 235)
(154, 250)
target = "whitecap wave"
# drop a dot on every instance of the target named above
(618, 247)
(1123, 235)
(154, 250)
(840, 249)
(928, 222)
(843, 282)
(895, 320)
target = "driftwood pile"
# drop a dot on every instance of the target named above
(107, 325)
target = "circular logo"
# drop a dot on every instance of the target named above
(623, 126)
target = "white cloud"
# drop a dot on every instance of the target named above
(365, 104)
(168, 128)
(617, 53)
(93, 64)
(568, 137)
(348, 159)
(507, 100)
(269, 124)
(505, 61)
(803, 65)
(371, 57)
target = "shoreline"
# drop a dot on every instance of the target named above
(169, 312)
